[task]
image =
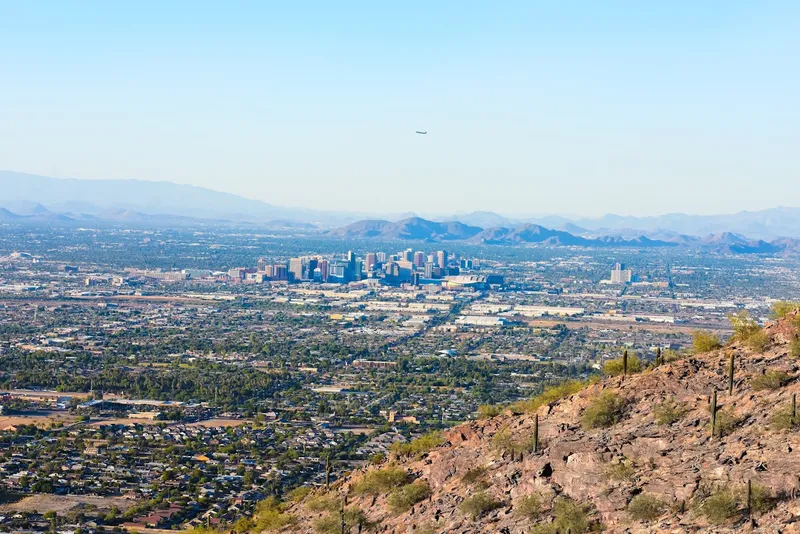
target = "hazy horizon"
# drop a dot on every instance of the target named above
(412, 212)
(576, 110)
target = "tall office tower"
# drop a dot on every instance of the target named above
(324, 270)
(392, 269)
(407, 254)
(297, 269)
(370, 261)
(419, 258)
(441, 258)
(621, 275)
(261, 265)
(381, 257)
(429, 270)
(279, 272)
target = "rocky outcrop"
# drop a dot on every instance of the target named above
(679, 464)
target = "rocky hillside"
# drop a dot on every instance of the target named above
(626, 454)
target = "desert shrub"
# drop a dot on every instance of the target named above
(404, 497)
(784, 308)
(667, 412)
(704, 341)
(621, 470)
(320, 503)
(377, 458)
(719, 507)
(782, 419)
(550, 395)
(670, 355)
(605, 410)
(762, 499)
(646, 507)
(272, 520)
(529, 507)
(243, 525)
(486, 411)
(269, 516)
(568, 515)
(474, 475)
(727, 421)
(769, 380)
(380, 481)
(270, 503)
(479, 504)
(332, 523)
(614, 367)
(504, 441)
(428, 528)
(419, 446)
(743, 325)
(794, 348)
(758, 342)
(299, 493)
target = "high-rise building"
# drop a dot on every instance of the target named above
(621, 275)
(429, 270)
(280, 272)
(324, 270)
(370, 261)
(298, 269)
(261, 265)
(441, 258)
(392, 269)
(381, 257)
(237, 273)
(419, 258)
(407, 254)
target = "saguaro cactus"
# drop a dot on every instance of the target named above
(328, 471)
(730, 374)
(749, 497)
(536, 433)
(713, 412)
(625, 364)
(794, 409)
(658, 357)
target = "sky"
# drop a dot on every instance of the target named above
(575, 108)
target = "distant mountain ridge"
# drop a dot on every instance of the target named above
(764, 224)
(36, 199)
(18, 191)
(419, 229)
(130, 218)
(412, 228)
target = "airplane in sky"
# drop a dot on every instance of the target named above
(422, 133)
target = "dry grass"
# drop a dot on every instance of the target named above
(63, 503)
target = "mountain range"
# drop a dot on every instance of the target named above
(42, 200)
(22, 192)
(419, 229)
(764, 224)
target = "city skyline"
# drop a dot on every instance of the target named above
(685, 105)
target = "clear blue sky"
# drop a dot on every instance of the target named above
(531, 107)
